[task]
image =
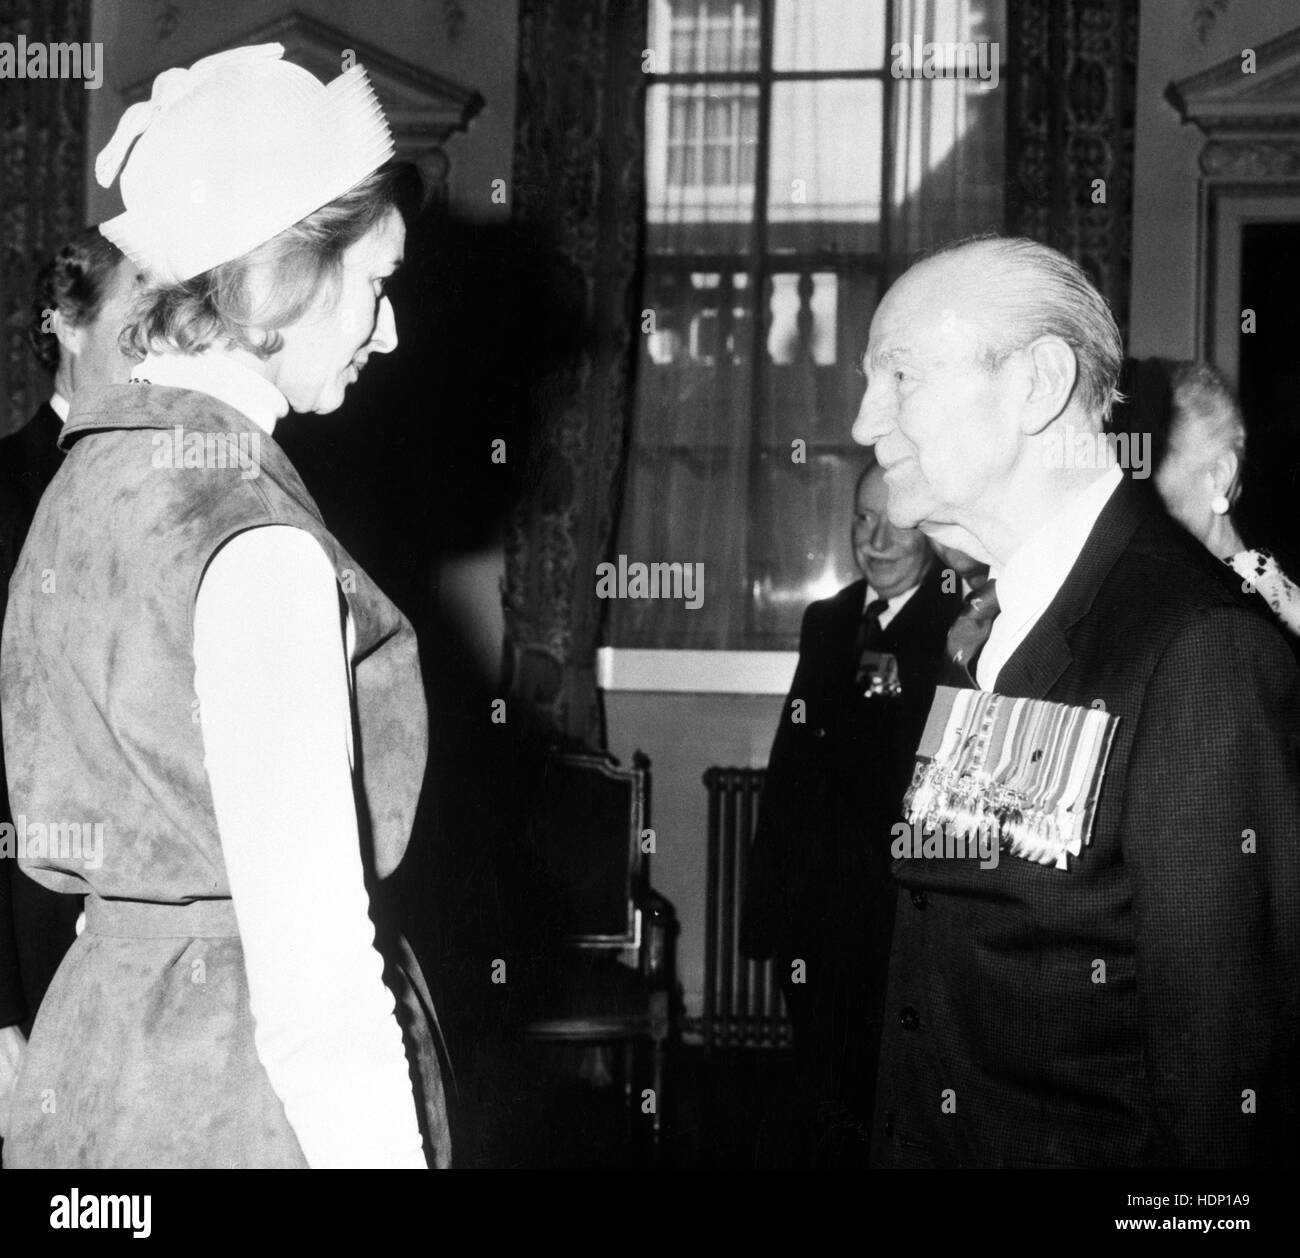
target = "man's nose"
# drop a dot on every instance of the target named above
(872, 421)
(384, 338)
(881, 534)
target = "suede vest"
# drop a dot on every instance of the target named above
(101, 722)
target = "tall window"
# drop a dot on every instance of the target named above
(792, 170)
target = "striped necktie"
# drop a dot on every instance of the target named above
(869, 632)
(969, 632)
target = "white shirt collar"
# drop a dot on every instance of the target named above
(1031, 578)
(59, 405)
(893, 605)
(221, 377)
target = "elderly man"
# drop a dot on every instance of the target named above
(1137, 1006)
(820, 896)
(80, 306)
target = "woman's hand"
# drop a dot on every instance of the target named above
(13, 1045)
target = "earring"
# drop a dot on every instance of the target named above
(1219, 504)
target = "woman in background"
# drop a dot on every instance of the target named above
(202, 684)
(1199, 477)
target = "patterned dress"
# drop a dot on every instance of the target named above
(1259, 569)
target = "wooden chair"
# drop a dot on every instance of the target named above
(614, 980)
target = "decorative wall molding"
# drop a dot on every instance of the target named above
(1223, 101)
(1251, 159)
(424, 109)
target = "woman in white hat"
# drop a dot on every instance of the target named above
(214, 720)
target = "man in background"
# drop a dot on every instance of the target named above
(820, 895)
(82, 298)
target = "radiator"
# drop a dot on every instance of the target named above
(743, 1007)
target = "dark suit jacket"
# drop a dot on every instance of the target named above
(1001, 1045)
(820, 864)
(36, 925)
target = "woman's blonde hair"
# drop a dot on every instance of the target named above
(301, 263)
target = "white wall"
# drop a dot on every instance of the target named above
(1165, 230)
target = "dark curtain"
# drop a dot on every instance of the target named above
(42, 164)
(1072, 66)
(578, 189)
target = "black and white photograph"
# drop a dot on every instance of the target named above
(647, 587)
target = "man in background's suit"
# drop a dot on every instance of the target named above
(1137, 1007)
(820, 895)
(82, 298)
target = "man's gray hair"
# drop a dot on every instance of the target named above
(1035, 291)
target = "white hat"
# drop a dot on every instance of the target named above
(230, 152)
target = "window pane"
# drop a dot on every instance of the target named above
(694, 377)
(700, 159)
(718, 117)
(802, 314)
(829, 35)
(802, 549)
(712, 475)
(817, 325)
(824, 185)
(947, 158)
(682, 507)
(704, 36)
(689, 463)
(948, 22)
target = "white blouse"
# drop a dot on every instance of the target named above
(272, 643)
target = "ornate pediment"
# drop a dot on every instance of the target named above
(1226, 101)
(423, 108)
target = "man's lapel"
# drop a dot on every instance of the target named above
(1044, 655)
(919, 610)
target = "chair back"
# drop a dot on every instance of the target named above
(587, 822)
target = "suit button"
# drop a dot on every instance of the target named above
(819, 732)
(920, 899)
(908, 1018)
(889, 1122)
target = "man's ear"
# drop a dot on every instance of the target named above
(71, 337)
(1052, 372)
(1223, 474)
